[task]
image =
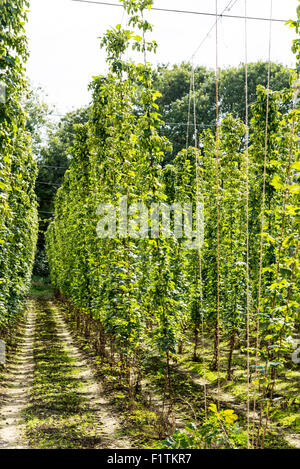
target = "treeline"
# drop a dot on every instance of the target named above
(18, 208)
(174, 83)
(146, 293)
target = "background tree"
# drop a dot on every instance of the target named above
(53, 159)
(38, 118)
(174, 85)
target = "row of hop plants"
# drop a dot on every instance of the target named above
(18, 211)
(146, 296)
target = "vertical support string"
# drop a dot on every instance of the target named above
(247, 230)
(189, 111)
(218, 208)
(144, 40)
(262, 220)
(198, 196)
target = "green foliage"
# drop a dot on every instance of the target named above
(18, 214)
(218, 430)
(296, 42)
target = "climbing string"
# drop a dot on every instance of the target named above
(199, 206)
(262, 221)
(218, 209)
(189, 112)
(247, 229)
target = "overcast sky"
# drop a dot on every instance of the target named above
(64, 40)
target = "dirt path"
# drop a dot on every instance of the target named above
(17, 388)
(106, 423)
(51, 397)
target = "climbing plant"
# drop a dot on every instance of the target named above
(18, 215)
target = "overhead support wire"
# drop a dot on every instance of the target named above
(203, 13)
(218, 17)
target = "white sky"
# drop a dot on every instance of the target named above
(65, 53)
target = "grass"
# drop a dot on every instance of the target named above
(41, 288)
